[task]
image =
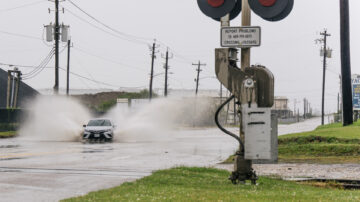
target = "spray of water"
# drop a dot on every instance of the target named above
(154, 121)
(54, 118)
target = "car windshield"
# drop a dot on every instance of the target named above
(99, 122)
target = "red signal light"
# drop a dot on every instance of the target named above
(216, 3)
(267, 3)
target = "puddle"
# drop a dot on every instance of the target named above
(9, 146)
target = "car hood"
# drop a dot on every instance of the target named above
(98, 128)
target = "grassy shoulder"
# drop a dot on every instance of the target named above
(7, 134)
(205, 184)
(327, 144)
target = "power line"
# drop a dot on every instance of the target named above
(134, 38)
(21, 6)
(24, 66)
(98, 82)
(20, 35)
(137, 38)
(89, 79)
(103, 30)
(41, 67)
(41, 64)
(107, 59)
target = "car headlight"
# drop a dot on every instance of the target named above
(109, 130)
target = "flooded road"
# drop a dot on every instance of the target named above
(50, 171)
(307, 125)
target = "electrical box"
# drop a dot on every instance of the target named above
(65, 33)
(49, 32)
(257, 129)
(328, 53)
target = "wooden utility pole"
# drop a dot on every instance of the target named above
(338, 103)
(325, 34)
(153, 56)
(8, 90)
(68, 69)
(18, 79)
(198, 75)
(57, 38)
(346, 63)
(305, 108)
(166, 73)
(13, 88)
(167, 57)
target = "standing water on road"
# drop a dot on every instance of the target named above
(57, 118)
(54, 118)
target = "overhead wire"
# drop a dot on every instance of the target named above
(22, 6)
(181, 57)
(107, 26)
(40, 68)
(24, 66)
(103, 30)
(109, 60)
(96, 81)
(20, 35)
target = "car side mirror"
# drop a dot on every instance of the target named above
(84, 126)
(114, 126)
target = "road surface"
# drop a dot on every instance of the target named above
(307, 125)
(50, 171)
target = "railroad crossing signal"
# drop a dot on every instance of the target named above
(270, 10)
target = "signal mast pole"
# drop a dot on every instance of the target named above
(346, 63)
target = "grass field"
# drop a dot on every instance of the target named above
(327, 144)
(204, 184)
(7, 134)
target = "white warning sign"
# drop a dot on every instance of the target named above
(240, 37)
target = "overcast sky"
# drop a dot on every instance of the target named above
(288, 47)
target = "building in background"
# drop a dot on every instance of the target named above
(281, 108)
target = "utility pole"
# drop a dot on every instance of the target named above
(167, 57)
(18, 79)
(304, 108)
(346, 63)
(57, 38)
(338, 103)
(198, 75)
(325, 35)
(68, 68)
(294, 107)
(153, 56)
(13, 88)
(8, 90)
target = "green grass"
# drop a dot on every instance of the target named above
(327, 144)
(205, 184)
(331, 143)
(7, 134)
